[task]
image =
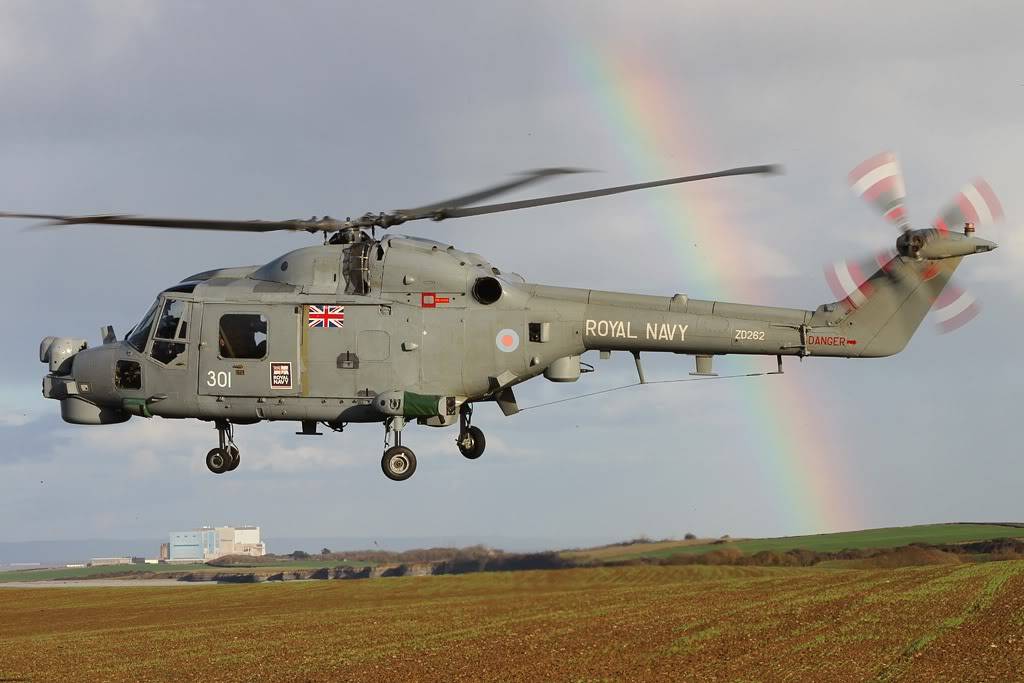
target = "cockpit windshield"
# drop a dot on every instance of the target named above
(171, 334)
(140, 333)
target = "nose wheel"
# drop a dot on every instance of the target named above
(471, 441)
(226, 457)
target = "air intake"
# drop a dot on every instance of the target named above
(487, 290)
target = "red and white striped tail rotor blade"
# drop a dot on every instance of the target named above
(848, 282)
(879, 181)
(954, 308)
(976, 203)
(883, 259)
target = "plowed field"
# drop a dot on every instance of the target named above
(954, 622)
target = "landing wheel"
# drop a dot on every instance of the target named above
(398, 463)
(235, 456)
(218, 461)
(225, 457)
(472, 443)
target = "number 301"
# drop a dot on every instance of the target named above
(218, 379)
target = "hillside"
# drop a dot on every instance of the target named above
(890, 537)
(935, 544)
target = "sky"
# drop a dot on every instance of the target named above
(280, 110)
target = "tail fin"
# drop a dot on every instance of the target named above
(883, 311)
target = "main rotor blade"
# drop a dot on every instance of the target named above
(524, 179)
(442, 213)
(453, 208)
(190, 223)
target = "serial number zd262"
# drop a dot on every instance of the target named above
(752, 335)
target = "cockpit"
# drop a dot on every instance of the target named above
(168, 320)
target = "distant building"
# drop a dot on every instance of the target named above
(185, 545)
(209, 543)
(165, 551)
(107, 561)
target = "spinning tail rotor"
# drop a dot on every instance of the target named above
(879, 181)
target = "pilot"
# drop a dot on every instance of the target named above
(258, 329)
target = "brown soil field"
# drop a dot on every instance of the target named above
(951, 622)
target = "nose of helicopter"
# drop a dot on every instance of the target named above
(81, 379)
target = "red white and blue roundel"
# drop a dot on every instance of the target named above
(507, 340)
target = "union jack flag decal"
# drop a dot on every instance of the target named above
(325, 316)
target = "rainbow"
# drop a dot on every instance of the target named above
(798, 458)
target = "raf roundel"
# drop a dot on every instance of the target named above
(507, 340)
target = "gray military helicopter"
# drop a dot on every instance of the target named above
(368, 329)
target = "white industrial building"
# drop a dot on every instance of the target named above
(107, 561)
(209, 543)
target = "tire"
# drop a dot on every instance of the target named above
(477, 443)
(398, 463)
(236, 458)
(218, 461)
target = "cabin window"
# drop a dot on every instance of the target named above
(243, 335)
(127, 375)
(171, 335)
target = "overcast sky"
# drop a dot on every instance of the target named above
(280, 110)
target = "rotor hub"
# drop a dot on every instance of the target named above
(349, 235)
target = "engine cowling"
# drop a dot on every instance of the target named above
(935, 244)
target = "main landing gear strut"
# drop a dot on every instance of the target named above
(399, 462)
(225, 457)
(471, 441)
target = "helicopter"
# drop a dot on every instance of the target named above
(392, 329)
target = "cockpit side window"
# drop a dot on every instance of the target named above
(171, 336)
(140, 333)
(243, 335)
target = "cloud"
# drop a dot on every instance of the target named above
(15, 419)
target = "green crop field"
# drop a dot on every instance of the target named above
(870, 538)
(106, 571)
(952, 622)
